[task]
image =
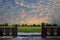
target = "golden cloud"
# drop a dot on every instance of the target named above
(34, 20)
(37, 21)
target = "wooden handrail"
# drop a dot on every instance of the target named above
(51, 32)
(8, 31)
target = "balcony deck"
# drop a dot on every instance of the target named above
(31, 38)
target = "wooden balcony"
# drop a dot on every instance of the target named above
(6, 31)
(50, 31)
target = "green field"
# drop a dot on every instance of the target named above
(29, 29)
(25, 28)
(6, 26)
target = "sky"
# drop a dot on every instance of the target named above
(29, 11)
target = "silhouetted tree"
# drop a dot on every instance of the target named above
(16, 25)
(6, 24)
(54, 24)
(22, 25)
(34, 25)
(47, 24)
(43, 24)
(25, 24)
(1, 24)
(38, 25)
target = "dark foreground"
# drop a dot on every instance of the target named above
(31, 38)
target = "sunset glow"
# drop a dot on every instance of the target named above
(29, 11)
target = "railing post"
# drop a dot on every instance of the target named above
(58, 31)
(7, 31)
(1, 32)
(51, 31)
(14, 31)
(44, 31)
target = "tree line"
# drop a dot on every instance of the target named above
(46, 24)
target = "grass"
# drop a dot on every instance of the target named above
(29, 29)
(6, 27)
(25, 28)
(52, 27)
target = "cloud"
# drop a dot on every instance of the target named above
(31, 13)
(21, 3)
(34, 20)
(0, 1)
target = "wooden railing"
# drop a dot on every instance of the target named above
(50, 31)
(8, 31)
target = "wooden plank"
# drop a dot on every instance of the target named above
(44, 32)
(1, 32)
(51, 31)
(7, 31)
(58, 31)
(14, 33)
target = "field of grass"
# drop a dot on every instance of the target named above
(6, 26)
(25, 28)
(52, 27)
(29, 29)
